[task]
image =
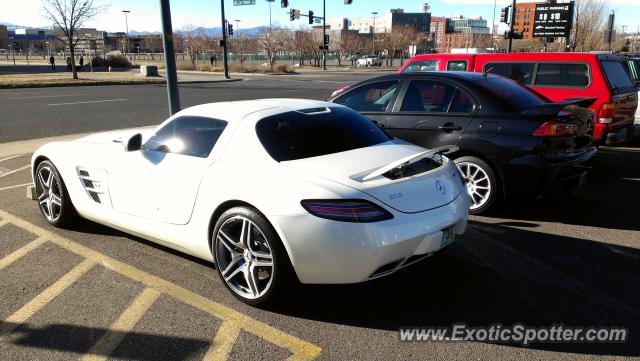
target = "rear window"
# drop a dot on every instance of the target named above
(457, 65)
(512, 96)
(522, 73)
(632, 67)
(562, 75)
(617, 78)
(304, 134)
(421, 65)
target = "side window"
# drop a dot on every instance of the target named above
(374, 97)
(187, 135)
(562, 74)
(421, 65)
(461, 103)
(457, 65)
(522, 73)
(427, 96)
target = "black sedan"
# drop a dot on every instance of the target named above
(512, 140)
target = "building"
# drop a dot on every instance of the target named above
(525, 15)
(438, 32)
(463, 25)
(385, 23)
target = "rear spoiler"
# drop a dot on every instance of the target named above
(412, 158)
(551, 109)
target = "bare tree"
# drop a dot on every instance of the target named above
(241, 46)
(273, 41)
(589, 24)
(195, 42)
(351, 44)
(69, 16)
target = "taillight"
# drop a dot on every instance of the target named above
(555, 129)
(346, 210)
(606, 113)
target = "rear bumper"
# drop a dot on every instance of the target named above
(621, 135)
(537, 175)
(325, 251)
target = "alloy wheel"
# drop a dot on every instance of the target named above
(478, 182)
(49, 193)
(244, 257)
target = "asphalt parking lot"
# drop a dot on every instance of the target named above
(92, 292)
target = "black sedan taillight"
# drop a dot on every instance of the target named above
(346, 210)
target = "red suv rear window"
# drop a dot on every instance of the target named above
(617, 78)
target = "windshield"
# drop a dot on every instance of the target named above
(316, 132)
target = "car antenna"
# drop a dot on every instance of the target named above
(486, 71)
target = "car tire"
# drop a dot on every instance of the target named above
(244, 244)
(482, 184)
(52, 196)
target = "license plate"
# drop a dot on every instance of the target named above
(448, 236)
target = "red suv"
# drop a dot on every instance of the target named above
(557, 76)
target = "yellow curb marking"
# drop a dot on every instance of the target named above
(45, 297)
(21, 252)
(118, 330)
(300, 349)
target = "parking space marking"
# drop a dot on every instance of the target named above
(233, 321)
(45, 297)
(223, 343)
(118, 330)
(15, 170)
(16, 186)
(21, 252)
(11, 157)
(89, 102)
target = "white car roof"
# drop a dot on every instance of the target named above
(233, 111)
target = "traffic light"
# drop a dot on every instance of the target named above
(504, 14)
(518, 35)
(348, 2)
(284, 3)
(507, 34)
(292, 14)
(230, 29)
(310, 17)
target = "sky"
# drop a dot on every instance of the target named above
(145, 14)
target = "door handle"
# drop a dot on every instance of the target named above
(449, 127)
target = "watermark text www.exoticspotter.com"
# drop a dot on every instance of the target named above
(518, 333)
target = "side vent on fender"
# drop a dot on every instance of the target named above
(93, 182)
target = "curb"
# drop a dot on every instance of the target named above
(102, 83)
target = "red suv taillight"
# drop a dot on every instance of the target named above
(346, 210)
(605, 115)
(555, 129)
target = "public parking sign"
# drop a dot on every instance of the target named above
(553, 20)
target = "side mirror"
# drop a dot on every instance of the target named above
(134, 143)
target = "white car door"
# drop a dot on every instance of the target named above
(161, 181)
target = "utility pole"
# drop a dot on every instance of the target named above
(126, 23)
(493, 26)
(373, 34)
(513, 22)
(169, 58)
(324, 35)
(224, 41)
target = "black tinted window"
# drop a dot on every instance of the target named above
(562, 74)
(427, 96)
(372, 97)
(188, 135)
(618, 79)
(457, 65)
(461, 103)
(421, 65)
(509, 94)
(296, 135)
(520, 72)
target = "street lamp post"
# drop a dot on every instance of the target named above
(373, 42)
(237, 26)
(126, 23)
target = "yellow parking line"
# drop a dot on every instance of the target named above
(300, 349)
(223, 343)
(21, 252)
(118, 330)
(45, 297)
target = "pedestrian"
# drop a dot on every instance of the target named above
(52, 61)
(69, 68)
(81, 62)
(211, 59)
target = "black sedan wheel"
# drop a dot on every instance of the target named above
(482, 184)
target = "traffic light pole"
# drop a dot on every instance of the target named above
(513, 21)
(224, 41)
(169, 58)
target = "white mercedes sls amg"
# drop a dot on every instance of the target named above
(273, 191)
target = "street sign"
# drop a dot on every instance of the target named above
(553, 20)
(243, 2)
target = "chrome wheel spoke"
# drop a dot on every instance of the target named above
(56, 200)
(479, 185)
(232, 270)
(43, 183)
(251, 277)
(245, 233)
(229, 243)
